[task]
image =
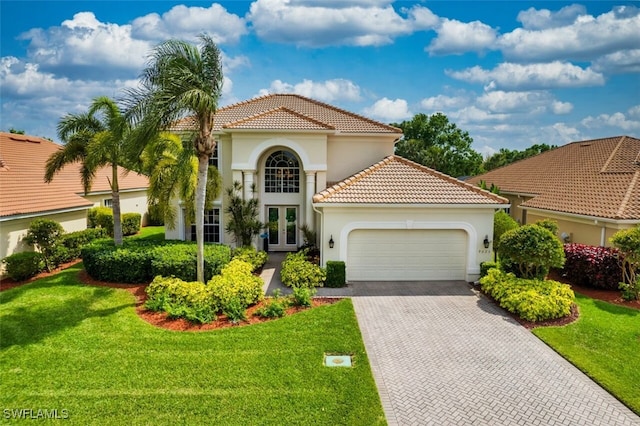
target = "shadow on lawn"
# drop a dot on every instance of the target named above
(45, 316)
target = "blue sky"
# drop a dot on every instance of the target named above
(511, 73)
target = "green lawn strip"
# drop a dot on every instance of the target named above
(69, 346)
(151, 233)
(604, 343)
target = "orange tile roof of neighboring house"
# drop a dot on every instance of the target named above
(22, 186)
(396, 180)
(599, 178)
(307, 111)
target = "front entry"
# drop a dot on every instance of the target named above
(283, 228)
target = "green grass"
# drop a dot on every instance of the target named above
(151, 233)
(64, 345)
(605, 344)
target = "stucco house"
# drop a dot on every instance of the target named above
(591, 188)
(24, 195)
(334, 171)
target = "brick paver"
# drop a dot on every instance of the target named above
(443, 355)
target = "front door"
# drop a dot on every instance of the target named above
(283, 228)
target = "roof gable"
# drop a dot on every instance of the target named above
(23, 189)
(396, 180)
(598, 178)
(278, 119)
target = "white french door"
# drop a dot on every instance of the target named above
(282, 222)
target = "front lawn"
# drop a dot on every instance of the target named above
(605, 344)
(67, 346)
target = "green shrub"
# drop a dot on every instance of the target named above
(74, 241)
(486, 266)
(249, 254)
(21, 266)
(502, 223)
(274, 308)
(336, 273)
(530, 251)
(180, 299)
(234, 309)
(236, 281)
(302, 296)
(131, 223)
(532, 300)
(628, 242)
(548, 224)
(139, 261)
(45, 235)
(155, 215)
(101, 217)
(296, 271)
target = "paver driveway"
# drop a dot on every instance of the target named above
(443, 355)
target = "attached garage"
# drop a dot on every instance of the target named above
(406, 254)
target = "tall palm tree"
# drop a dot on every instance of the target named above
(182, 79)
(172, 167)
(96, 139)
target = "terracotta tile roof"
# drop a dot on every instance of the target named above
(22, 186)
(272, 113)
(396, 180)
(599, 178)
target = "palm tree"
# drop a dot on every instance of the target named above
(182, 79)
(172, 167)
(96, 139)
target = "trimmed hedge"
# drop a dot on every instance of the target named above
(138, 261)
(591, 266)
(131, 223)
(102, 217)
(336, 274)
(530, 299)
(236, 281)
(485, 267)
(74, 241)
(22, 266)
(249, 254)
(297, 271)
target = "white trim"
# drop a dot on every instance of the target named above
(596, 219)
(409, 206)
(259, 150)
(42, 213)
(473, 268)
(110, 192)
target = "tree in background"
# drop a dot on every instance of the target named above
(182, 79)
(96, 139)
(435, 142)
(507, 156)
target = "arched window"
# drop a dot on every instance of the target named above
(282, 173)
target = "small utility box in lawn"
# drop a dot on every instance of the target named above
(337, 361)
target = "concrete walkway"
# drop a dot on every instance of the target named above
(443, 355)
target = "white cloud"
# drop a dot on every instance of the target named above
(359, 23)
(585, 38)
(455, 37)
(508, 102)
(565, 133)
(539, 19)
(616, 120)
(443, 103)
(510, 76)
(623, 61)
(561, 107)
(634, 111)
(186, 23)
(326, 91)
(473, 114)
(388, 110)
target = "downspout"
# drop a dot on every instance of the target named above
(321, 233)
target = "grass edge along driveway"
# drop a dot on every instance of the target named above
(82, 349)
(605, 344)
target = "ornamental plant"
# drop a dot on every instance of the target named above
(297, 271)
(45, 235)
(628, 242)
(502, 223)
(530, 251)
(592, 266)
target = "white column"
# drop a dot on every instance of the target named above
(247, 184)
(311, 189)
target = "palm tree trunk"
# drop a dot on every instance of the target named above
(115, 199)
(201, 191)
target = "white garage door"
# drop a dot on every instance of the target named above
(406, 255)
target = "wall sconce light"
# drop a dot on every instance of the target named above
(331, 242)
(486, 241)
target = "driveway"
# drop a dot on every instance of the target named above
(443, 355)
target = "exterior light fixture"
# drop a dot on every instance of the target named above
(331, 242)
(486, 241)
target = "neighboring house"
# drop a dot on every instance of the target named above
(591, 188)
(24, 195)
(311, 164)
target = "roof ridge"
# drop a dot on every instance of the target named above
(350, 180)
(613, 153)
(627, 195)
(448, 178)
(246, 101)
(279, 108)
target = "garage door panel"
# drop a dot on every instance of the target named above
(393, 254)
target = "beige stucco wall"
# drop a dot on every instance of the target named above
(338, 222)
(582, 230)
(13, 231)
(517, 212)
(347, 155)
